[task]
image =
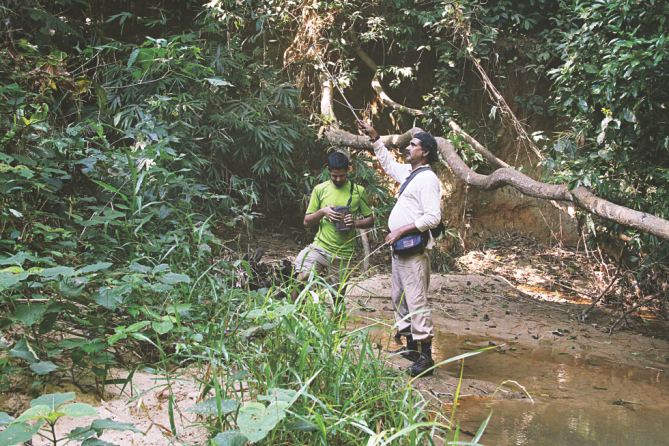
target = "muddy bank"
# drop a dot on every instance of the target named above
(583, 385)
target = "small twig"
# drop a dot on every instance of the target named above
(634, 308)
(575, 290)
(581, 317)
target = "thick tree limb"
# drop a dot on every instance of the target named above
(580, 196)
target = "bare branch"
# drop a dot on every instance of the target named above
(644, 303)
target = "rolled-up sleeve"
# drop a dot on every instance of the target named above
(431, 203)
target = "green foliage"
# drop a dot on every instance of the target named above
(46, 411)
(612, 83)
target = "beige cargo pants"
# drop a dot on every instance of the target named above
(333, 269)
(410, 284)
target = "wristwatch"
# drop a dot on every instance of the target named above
(373, 140)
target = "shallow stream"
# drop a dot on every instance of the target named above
(578, 399)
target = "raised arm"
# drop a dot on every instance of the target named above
(396, 171)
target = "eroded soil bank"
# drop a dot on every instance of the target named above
(583, 385)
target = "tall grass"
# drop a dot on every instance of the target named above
(327, 382)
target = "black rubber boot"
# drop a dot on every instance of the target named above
(423, 366)
(409, 352)
(426, 348)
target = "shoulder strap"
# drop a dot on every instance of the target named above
(411, 177)
(351, 197)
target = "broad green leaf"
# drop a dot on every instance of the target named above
(208, 407)
(6, 158)
(29, 314)
(136, 326)
(160, 268)
(109, 298)
(139, 268)
(96, 442)
(172, 278)
(53, 400)
(255, 420)
(109, 424)
(180, 308)
(133, 57)
(65, 271)
(5, 419)
(78, 410)
(43, 368)
(628, 115)
(18, 433)
(275, 395)
(218, 82)
(13, 270)
(230, 438)
(71, 291)
(254, 314)
(112, 339)
(8, 278)
(301, 425)
(34, 413)
(23, 350)
(284, 310)
(162, 327)
(6, 323)
(95, 267)
(80, 433)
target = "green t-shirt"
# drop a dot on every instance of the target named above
(338, 243)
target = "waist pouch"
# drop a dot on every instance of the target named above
(411, 244)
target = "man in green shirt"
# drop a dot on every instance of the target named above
(330, 254)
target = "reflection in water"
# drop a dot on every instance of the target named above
(553, 424)
(574, 396)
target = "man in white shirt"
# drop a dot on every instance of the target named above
(417, 210)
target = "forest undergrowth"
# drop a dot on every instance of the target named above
(281, 371)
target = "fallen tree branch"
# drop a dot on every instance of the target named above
(580, 196)
(645, 302)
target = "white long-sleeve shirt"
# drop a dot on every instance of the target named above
(420, 203)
